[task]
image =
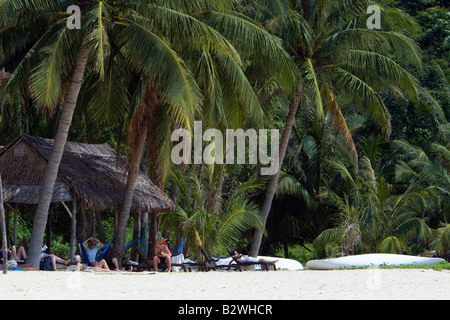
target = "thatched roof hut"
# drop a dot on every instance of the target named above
(93, 172)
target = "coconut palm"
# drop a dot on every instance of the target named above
(340, 62)
(175, 56)
(373, 217)
(441, 240)
(217, 232)
(54, 62)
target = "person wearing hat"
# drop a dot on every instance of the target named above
(162, 252)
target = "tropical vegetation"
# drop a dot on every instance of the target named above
(364, 150)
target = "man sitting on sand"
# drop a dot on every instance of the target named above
(162, 251)
(93, 245)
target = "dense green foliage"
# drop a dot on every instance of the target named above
(367, 165)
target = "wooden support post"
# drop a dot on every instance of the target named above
(116, 219)
(153, 235)
(15, 220)
(83, 225)
(49, 229)
(144, 227)
(90, 225)
(3, 227)
(16, 212)
(137, 229)
(73, 230)
(101, 234)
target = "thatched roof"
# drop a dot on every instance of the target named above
(93, 172)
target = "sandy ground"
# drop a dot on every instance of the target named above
(280, 285)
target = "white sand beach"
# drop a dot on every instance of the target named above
(369, 284)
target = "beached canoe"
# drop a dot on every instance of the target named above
(370, 260)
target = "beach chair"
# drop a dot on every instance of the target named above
(209, 262)
(235, 263)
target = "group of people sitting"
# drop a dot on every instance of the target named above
(91, 246)
(108, 262)
(19, 254)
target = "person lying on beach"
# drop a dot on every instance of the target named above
(55, 259)
(243, 258)
(91, 251)
(162, 251)
(20, 255)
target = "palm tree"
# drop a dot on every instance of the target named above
(58, 58)
(220, 231)
(341, 63)
(441, 240)
(64, 56)
(373, 218)
(177, 58)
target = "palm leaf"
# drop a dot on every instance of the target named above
(148, 53)
(329, 236)
(47, 77)
(363, 94)
(414, 227)
(99, 18)
(339, 122)
(390, 245)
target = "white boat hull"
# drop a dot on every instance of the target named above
(370, 260)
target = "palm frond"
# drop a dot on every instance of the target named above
(148, 53)
(98, 18)
(390, 245)
(340, 124)
(47, 77)
(328, 237)
(441, 239)
(364, 95)
(414, 227)
(257, 45)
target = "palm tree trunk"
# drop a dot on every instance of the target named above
(51, 171)
(272, 186)
(3, 228)
(133, 173)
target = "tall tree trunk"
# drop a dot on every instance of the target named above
(272, 186)
(137, 231)
(73, 229)
(144, 232)
(142, 122)
(3, 228)
(101, 233)
(51, 171)
(124, 214)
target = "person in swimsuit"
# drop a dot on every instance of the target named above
(162, 252)
(243, 258)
